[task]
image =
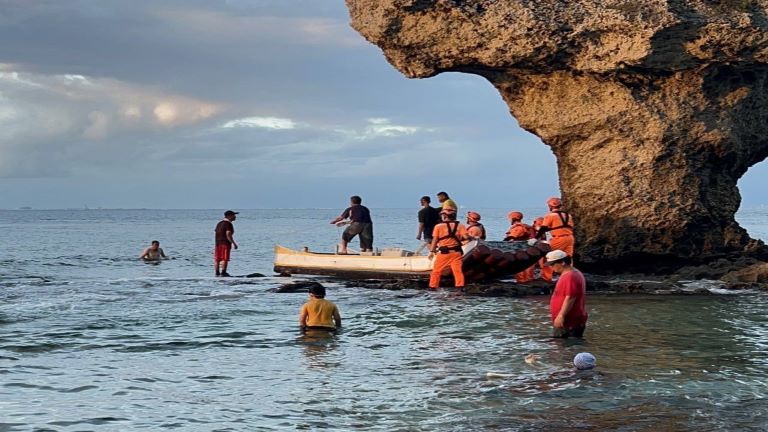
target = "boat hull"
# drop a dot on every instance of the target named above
(482, 261)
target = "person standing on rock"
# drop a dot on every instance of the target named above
(360, 223)
(446, 243)
(446, 201)
(518, 231)
(567, 306)
(428, 218)
(475, 230)
(224, 243)
(559, 225)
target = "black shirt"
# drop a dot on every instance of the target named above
(357, 213)
(429, 216)
(221, 232)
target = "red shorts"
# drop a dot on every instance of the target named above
(221, 253)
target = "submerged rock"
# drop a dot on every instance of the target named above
(296, 287)
(653, 108)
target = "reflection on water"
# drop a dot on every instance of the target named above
(318, 348)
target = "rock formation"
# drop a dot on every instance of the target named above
(653, 108)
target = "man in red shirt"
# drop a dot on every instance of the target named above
(568, 303)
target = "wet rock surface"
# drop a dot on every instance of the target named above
(705, 282)
(754, 276)
(296, 287)
(654, 109)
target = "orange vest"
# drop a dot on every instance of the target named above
(476, 231)
(449, 236)
(558, 223)
(520, 231)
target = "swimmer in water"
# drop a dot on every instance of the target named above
(551, 377)
(153, 253)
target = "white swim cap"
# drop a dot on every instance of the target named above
(584, 361)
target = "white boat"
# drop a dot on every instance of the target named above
(482, 261)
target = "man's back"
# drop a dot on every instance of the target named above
(559, 223)
(449, 234)
(358, 213)
(429, 216)
(319, 312)
(221, 232)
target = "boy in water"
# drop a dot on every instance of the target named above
(319, 313)
(153, 253)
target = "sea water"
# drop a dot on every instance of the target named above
(91, 338)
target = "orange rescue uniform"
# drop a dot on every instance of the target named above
(520, 231)
(560, 226)
(476, 231)
(448, 236)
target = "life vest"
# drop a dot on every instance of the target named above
(453, 228)
(565, 223)
(482, 230)
(526, 233)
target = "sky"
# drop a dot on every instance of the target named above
(245, 104)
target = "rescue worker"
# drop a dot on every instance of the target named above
(475, 230)
(518, 231)
(559, 225)
(446, 244)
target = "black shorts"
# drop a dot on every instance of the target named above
(365, 230)
(565, 333)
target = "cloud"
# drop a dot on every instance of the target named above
(47, 122)
(243, 91)
(261, 122)
(233, 26)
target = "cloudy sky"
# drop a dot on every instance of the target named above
(244, 104)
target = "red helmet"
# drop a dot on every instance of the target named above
(538, 220)
(554, 202)
(515, 215)
(473, 216)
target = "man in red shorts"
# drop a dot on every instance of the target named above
(224, 242)
(567, 306)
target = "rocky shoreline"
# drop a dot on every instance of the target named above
(715, 278)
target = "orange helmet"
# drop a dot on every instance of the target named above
(515, 215)
(538, 221)
(554, 202)
(473, 216)
(448, 211)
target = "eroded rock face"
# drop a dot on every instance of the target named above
(654, 109)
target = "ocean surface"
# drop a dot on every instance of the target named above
(91, 338)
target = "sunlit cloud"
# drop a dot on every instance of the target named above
(46, 121)
(382, 127)
(261, 122)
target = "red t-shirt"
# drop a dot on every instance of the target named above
(571, 284)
